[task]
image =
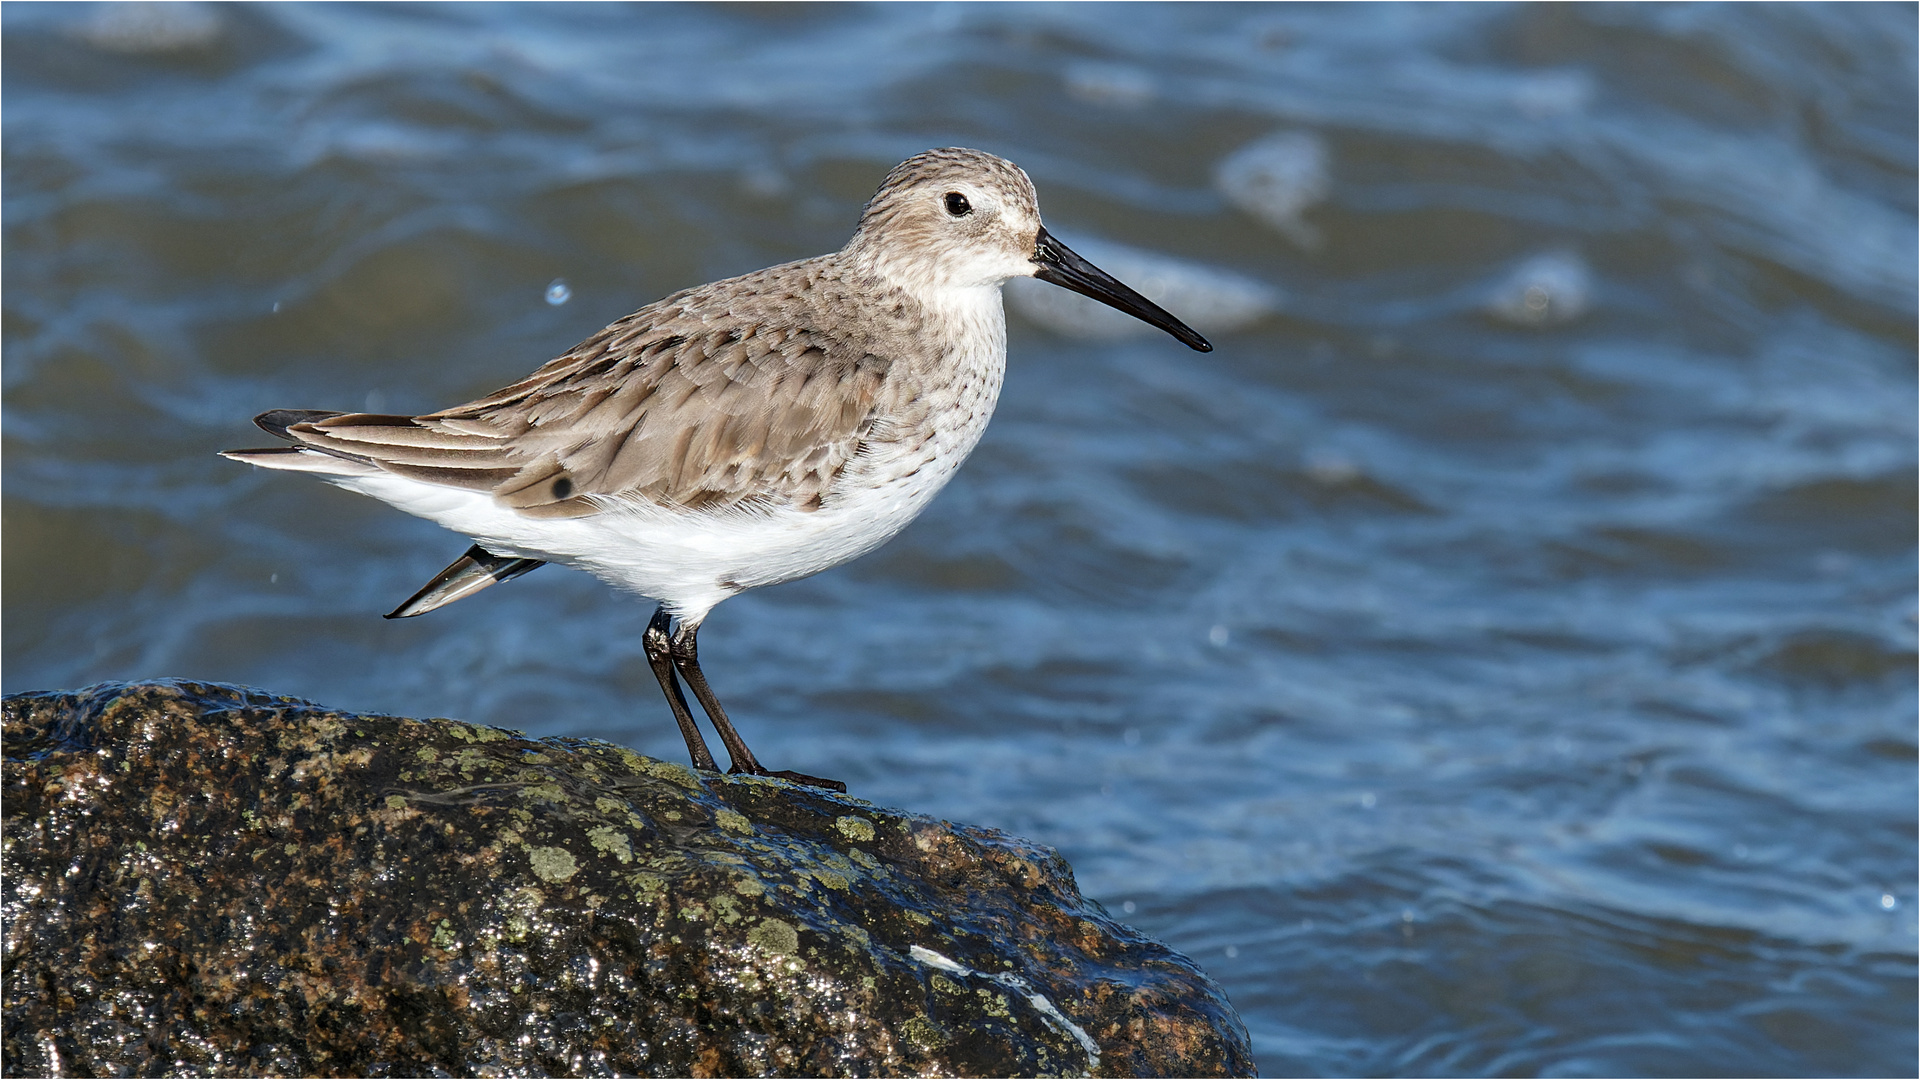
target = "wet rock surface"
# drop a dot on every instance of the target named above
(212, 880)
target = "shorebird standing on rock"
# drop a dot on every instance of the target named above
(738, 434)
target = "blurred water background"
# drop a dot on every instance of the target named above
(1497, 658)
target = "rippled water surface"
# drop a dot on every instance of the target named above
(1497, 657)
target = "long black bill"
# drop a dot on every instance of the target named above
(1060, 266)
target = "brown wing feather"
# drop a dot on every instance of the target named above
(677, 404)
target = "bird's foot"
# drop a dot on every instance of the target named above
(812, 781)
(796, 777)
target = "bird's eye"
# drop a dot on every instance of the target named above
(957, 204)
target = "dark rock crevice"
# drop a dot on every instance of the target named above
(212, 880)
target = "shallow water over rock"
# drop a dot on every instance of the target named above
(1498, 657)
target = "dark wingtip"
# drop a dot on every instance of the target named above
(477, 569)
(275, 422)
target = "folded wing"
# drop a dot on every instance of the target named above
(664, 406)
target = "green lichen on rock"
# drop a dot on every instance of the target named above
(776, 936)
(854, 828)
(608, 840)
(552, 863)
(215, 881)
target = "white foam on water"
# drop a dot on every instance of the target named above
(1277, 178)
(1552, 287)
(136, 27)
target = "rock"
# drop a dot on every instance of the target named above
(205, 879)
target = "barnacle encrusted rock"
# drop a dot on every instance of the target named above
(211, 880)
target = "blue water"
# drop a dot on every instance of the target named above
(1498, 657)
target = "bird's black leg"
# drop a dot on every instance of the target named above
(658, 641)
(686, 658)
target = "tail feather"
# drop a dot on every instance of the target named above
(470, 573)
(301, 459)
(304, 457)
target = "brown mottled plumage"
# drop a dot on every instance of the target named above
(738, 434)
(663, 406)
